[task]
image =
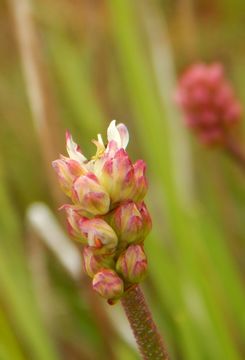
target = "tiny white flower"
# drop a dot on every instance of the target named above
(119, 134)
(124, 134)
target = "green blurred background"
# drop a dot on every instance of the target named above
(78, 64)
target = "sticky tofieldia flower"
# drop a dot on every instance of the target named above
(208, 102)
(107, 213)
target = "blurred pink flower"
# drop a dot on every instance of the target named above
(208, 102)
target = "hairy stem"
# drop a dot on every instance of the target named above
(145, 331)
(234, 151)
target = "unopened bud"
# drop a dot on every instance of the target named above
(93, 263)
(131, 222)
(117, 175)
(132, 264)
(99, 235)
(141, 185)
(68, 171)
(73, 222)
(90, 195)
(108, 284)
(146, 218)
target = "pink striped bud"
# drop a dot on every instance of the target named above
(100, 236)
(132, 264)
(146, 218)
(117, 176)
(108, 284)
(208, 102)
(94, 263)
(90, 196)
(141, 185)
(68, 171)
(73, 222)
(131, 222)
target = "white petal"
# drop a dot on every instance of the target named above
(113, 133)
(124, 135)
(100, 140)
(73, 149)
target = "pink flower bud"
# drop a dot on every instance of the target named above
(99, 235)
(73, 222)
(90, 196)
(208, 102)
(67, 170)
(140, 181)
(108, 284)
(132, 264)
(146, 218)
(94, 263)
(117, 176)
(131, 222)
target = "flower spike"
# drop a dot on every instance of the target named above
(110, 219)
(108, 215)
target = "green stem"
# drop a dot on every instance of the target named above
(145, 331)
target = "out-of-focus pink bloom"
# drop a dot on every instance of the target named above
(132, 264)
(131, 222)
(108, 284)
(208, 102)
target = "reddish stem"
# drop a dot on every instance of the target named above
(235, 152)
(145, 331)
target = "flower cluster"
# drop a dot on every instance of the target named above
(208, 102)
(107, 213)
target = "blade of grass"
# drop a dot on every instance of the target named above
(15, 288)
(153, 132)
(9, 348)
